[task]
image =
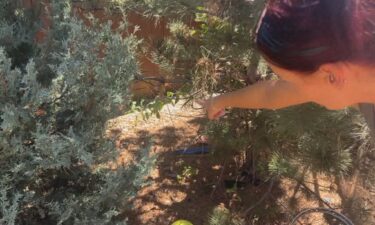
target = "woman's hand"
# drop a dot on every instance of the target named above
(213, 108)
(272, 94)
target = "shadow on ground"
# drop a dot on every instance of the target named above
(189, 187)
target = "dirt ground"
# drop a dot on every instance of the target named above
(190, 187)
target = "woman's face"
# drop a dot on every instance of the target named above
(333, 85)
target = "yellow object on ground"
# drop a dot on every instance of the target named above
(182, 222)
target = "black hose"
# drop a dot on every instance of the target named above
(342, 218)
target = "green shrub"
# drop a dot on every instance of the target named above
(56, 164)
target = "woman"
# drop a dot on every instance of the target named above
(322, 50)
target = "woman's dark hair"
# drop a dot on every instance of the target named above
(302, 35)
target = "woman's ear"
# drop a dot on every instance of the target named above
(333, 73)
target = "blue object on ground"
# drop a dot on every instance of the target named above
(193, 151)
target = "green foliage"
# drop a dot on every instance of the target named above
(204, 46)
(306, 136)
(151, 107)
(280, 166)
(213, 52)
(159, 8)
(9, 207)
(227, 139)
(315, 138)
(222, 216)
(56, 165)
(187, 173)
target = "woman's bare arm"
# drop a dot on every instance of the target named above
(273, 94)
